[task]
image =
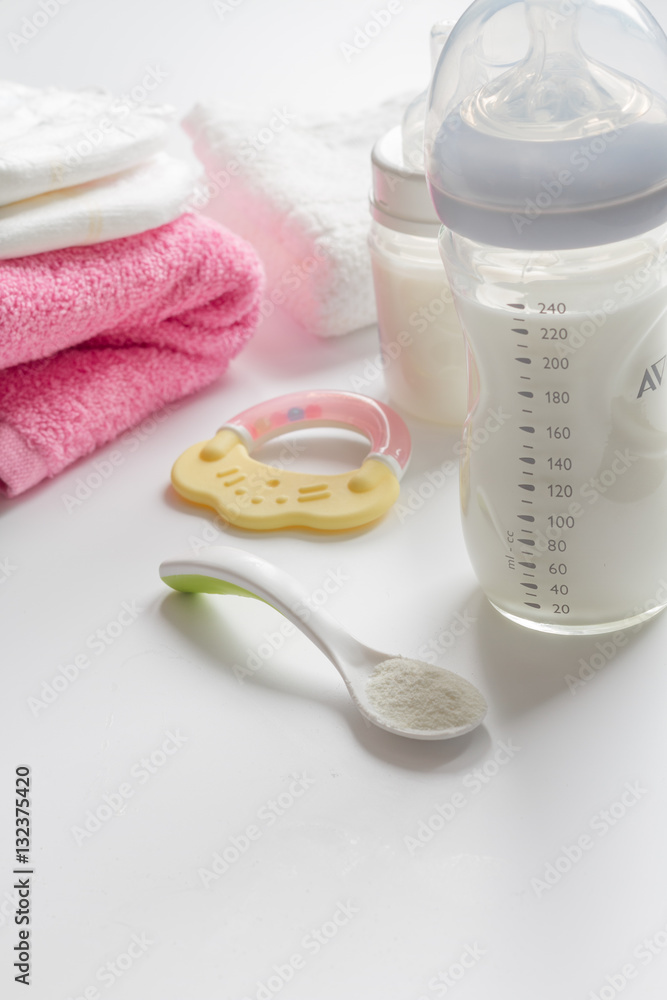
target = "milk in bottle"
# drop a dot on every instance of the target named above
(546, 157)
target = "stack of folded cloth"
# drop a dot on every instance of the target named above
(115, 298)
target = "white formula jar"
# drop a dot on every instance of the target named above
(420, 335)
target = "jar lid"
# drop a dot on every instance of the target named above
(400, 198)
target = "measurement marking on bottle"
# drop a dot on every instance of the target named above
(515, 305)
(524, 361)
(531, 588)
(521, 331)
(527, 501)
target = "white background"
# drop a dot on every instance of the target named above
(411, 912)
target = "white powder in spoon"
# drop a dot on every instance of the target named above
(410, 694)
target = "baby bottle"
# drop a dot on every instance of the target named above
(420, 334)
(546, 157)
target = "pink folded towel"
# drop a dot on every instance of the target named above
(95, 338)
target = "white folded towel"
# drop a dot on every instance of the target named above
(297, 189)
(141, 198)
(52, 139)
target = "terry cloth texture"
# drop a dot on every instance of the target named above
(94, 339)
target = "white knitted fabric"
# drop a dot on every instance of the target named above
(297, 188)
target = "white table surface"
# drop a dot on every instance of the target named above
(336, 896)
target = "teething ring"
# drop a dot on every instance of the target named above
(249, 494)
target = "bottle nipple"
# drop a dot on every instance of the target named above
(557, 91)
(546, 126)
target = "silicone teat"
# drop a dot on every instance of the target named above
(557, 89)
(547, 124)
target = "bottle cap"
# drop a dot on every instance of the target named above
(547, 124)
(400, 197)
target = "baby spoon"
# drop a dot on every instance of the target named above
(403, 696)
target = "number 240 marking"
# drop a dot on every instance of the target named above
(553, 307)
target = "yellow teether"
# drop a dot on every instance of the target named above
(221, 473)
(250, 494)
